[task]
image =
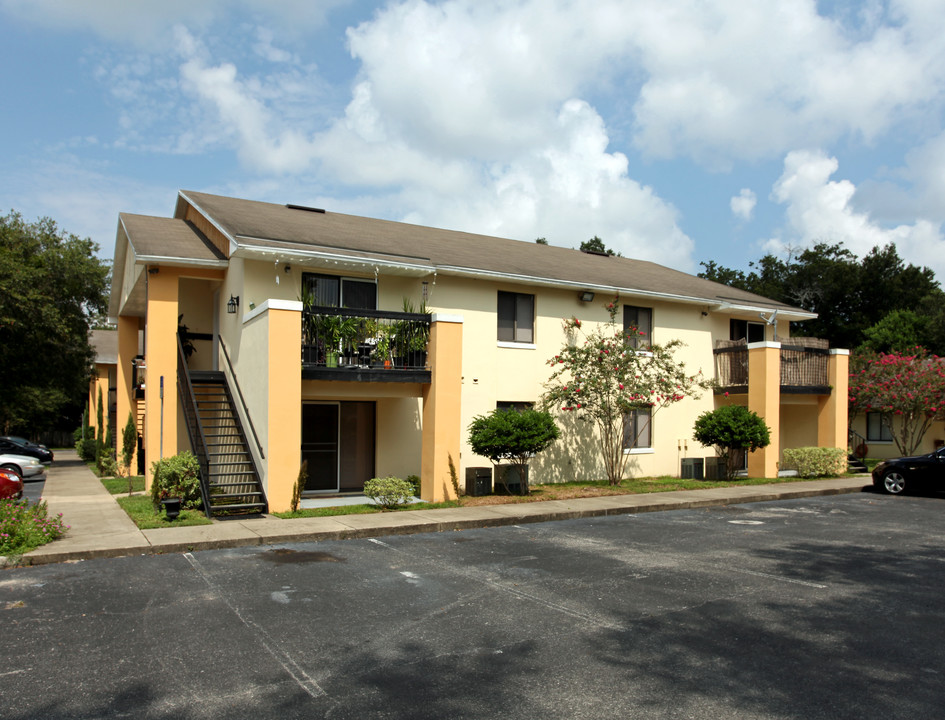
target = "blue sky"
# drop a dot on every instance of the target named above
(676, 130)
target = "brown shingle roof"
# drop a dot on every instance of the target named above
(169, 238)
(258, 224)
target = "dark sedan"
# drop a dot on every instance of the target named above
(904, 474)
(20, 446)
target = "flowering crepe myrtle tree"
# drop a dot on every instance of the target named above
(601, 378)
(908, 387)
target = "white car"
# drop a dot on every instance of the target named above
(28, 468)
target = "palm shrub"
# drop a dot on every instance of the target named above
(730, 428)
(514, 436)
(177, 476)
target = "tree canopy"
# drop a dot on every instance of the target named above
(731, 428)
(513, 435)
(908, 388)
(849, 294)
(52, 285)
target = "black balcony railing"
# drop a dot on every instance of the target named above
(339, 339)
(803, 365)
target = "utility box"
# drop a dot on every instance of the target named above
(692, 469)
(714, 469)
(478, 481)
(512, 478)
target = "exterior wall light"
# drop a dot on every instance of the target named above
(586, 296)
(232, 304)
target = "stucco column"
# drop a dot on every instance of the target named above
(161, 360)
(284, 431)
(124, 401)
(764, 398)
(832, 408)
(442, 406)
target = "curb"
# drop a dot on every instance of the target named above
(428, 525)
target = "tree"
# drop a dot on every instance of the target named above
(129, 443)
(541, 241)
(899, 331)
(603, 380)
(730, 428)
(848, 294)
(51, 286)
(596, 245)
(513, 435)
(909, 389)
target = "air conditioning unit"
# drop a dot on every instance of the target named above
(478, 481)
(692, 469)
(714, 468)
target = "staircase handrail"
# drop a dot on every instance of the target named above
(242, 403)
(194, 427)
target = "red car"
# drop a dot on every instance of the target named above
(11, 485)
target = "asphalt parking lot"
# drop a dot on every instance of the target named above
(816, 608)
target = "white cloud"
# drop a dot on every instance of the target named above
(820, 210)
(743, 204)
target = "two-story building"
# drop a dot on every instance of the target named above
(275, 334)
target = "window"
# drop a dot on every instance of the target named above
(877, 428)
(516, 313)
(513, 405)
(744, 330)
(642, 319)
(637, 431)
(334, 291)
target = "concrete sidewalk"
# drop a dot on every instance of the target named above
(100, 528)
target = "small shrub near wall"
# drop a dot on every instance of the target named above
(813, 462)
(177, 476)
(389, 491)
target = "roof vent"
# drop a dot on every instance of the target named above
(305, 208)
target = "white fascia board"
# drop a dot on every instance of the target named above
(786, 313)
(118, 276)
(209, 219)
(295, 254)
(179, 262)
(272, 304)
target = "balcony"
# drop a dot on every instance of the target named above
(364, 345)
(803, 366)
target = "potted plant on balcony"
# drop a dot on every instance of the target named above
(382, 348)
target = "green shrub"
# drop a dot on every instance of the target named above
(389, 491)
(24, 527)
(816, 461)
(512, 435)
(87, 449)
(176, 476)
(729, 428)
(107, 466)
(414, 481)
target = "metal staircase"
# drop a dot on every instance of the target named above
(229, 480)
(233, 483)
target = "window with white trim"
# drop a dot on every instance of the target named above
(877, 427)
(637, 430)
(640, 318)
(516, 317)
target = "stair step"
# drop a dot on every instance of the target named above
(239, 506)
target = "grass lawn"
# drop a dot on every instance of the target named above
(141, 511)
(361, 510)
(553, 491)
(119, 485)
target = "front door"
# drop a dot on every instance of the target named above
(338, 443)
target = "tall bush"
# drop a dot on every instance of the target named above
(177, 476)
(731, 428)
(513, 435)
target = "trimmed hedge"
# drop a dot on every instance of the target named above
(813, 462)
(389, 491)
